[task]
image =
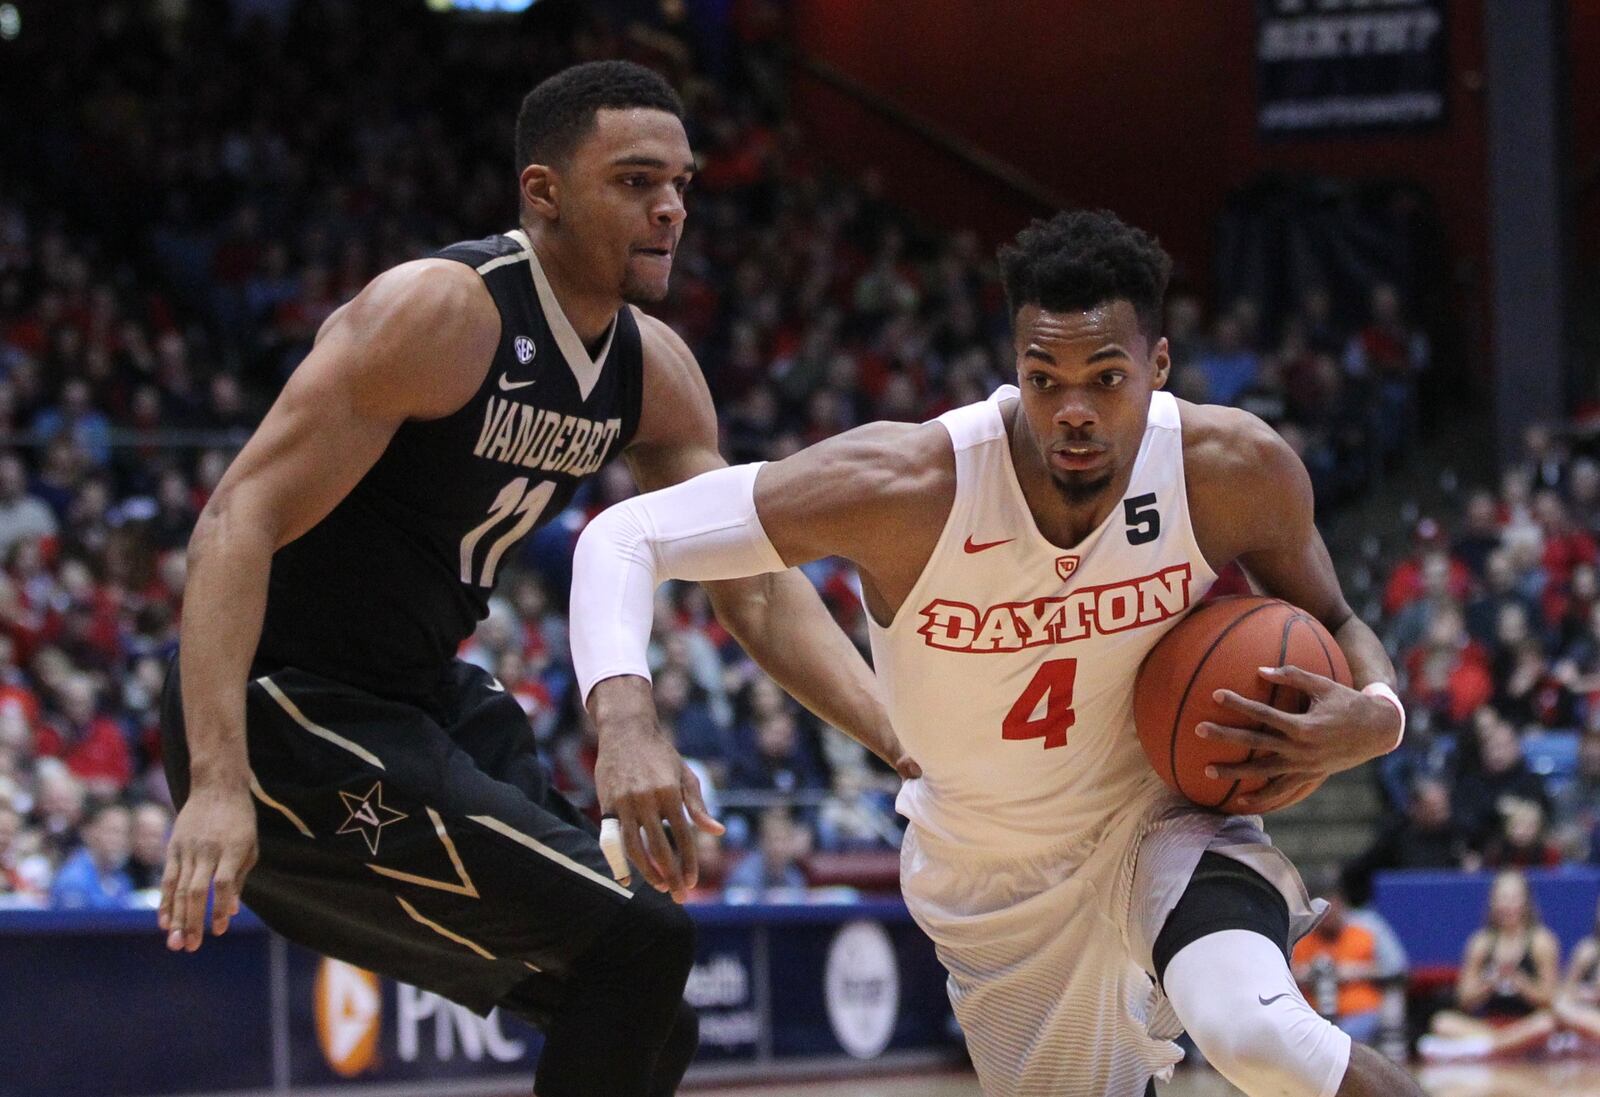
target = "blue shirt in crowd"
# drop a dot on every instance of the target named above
(80, 885)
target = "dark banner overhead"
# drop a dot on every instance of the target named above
(1348, 66)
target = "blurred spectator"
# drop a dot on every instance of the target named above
(856, 816)
(1427, 836)
(1448, 673)
(1388, 355)
(1492, 787)
(1480, 532)
(688, 719)
(147, 856)
(1544, 459)
(22, 515)
(771, 872)
(1337, 968)
(1405, 582)
(1507, 982)
(1577, 1004)
(1522, 841)
(93, 876)
(91, 744)
(1229, 366)
(779, 761)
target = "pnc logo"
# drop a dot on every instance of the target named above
(349, 1015)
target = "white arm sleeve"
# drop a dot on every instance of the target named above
(704, 528)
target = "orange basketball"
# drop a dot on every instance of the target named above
(1221, 645)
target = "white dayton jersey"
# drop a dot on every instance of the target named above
(1009, 669)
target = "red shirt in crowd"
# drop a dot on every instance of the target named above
(100, 753)
(1405, 585)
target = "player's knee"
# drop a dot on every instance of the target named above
(676, 1054)
(671, 932)
(650, 946)
(1264, 1053)
(1234, 994)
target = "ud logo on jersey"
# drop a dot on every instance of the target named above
(524, 348)
(1066, 565)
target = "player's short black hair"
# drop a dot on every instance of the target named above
(559, 111)
(1082, 258)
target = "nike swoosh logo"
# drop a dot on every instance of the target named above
(970, 547)
(1274, 998)
(508, 385)
(494, 684)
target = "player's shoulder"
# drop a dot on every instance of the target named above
(662, 346)
(430, 300)
(420, 336)
(1233, 449)
(897, 459)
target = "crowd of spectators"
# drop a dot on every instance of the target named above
(1494, 621)
(265, 173)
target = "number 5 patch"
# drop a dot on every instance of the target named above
(1143, 519)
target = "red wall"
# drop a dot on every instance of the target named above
(1143, 106)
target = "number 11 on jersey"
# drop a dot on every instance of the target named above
(515, 498)
(1051, 684)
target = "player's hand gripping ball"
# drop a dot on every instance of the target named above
(1222, 645)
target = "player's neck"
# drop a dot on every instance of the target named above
(1063, 523)
(590, 312)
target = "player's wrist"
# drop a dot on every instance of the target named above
(1385, 692)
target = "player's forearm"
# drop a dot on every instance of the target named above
(782, 623)
(703, 529)
(225, 600)
(1364, 652)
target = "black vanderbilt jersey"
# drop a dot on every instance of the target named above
(382, 591)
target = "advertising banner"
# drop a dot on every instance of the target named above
(1346, 66)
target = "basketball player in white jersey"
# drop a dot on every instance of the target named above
(1019, 558)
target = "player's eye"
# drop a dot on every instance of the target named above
(636, 181)
(1112, 378)
(1041, 382)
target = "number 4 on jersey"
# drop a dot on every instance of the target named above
(1044, 711)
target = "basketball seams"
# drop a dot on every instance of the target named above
(1271, 701)
(1183, 701)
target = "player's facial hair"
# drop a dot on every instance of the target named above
(1079, 492)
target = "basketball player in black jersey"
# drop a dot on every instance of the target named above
(369, 795)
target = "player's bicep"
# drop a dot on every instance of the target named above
(414, 343)
(311, 449)
(1289, 559)
(841, 497)
(677, 434)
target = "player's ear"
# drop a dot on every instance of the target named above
(541, 191)
(1161, 363)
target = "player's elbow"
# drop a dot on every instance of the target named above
(228, 526)
(620, 532)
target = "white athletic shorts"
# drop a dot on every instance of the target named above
(1050, 955)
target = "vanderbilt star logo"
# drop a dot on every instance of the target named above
(368, 815)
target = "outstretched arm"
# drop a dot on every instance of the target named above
(1251, 500)
(777, 617)
(727, 523)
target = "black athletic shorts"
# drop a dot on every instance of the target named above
(427, 846)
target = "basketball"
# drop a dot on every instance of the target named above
(1221, 645)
